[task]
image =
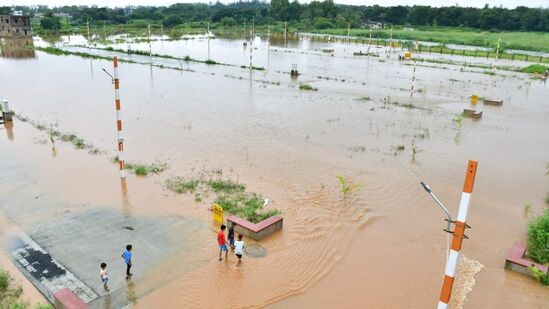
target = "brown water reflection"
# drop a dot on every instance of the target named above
(382, 248)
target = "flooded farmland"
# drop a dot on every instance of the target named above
(381, 247)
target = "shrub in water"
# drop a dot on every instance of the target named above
(538, 238)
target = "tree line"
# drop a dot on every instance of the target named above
(314, 15)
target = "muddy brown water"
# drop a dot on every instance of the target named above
(383, 247)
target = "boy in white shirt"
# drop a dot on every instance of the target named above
(239, 249)
(104, 276)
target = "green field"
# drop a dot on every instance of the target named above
(532, 41)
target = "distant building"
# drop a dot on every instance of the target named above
(373, 25)
(17, 47)
(14, 26)
(62, 15)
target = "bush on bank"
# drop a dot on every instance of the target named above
(538, 238)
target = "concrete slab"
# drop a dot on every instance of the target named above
(81, 241)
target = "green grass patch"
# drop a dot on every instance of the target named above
(535, 68)
(11, 292)
(210, 61)
(230, 195)
(534, 41)
(245, 205)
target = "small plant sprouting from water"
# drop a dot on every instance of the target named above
(307, 87)
(210, 61)
(527, 210)
(539, 275)
(348, 188)
(458, 121)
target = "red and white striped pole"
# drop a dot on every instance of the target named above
(459, 234)
(121, 162)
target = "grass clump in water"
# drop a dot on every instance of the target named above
(210, 61)
(225, 186)
(182, 185)
(307, 87)
(230, 195)
(535, 68)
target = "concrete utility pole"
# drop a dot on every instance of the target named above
(251, 50)
(497, 53)
(88, 26)
(162, 31)
(149, 38)
(369, 41)
(458, 233)
(120, 138)
(208, 34)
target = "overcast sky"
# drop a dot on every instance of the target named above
(119, 3)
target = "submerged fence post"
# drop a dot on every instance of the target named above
(391, 39)
(413, 78)
(458, 235)
(120, 138)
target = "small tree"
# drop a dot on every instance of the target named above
(172, 20)
(50, 22)
(228, 21)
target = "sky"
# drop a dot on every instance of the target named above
(121, 3)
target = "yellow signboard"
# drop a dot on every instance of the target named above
(217, 213)
(474, 99)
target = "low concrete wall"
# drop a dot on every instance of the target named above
(516, 260)
(256, 231)
(66, 299)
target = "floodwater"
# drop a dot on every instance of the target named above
(382, 247)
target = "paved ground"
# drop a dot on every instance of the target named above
(62, 245)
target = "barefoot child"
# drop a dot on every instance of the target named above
(127, 256)
(230, 236)
(104, 276)
(239, 249)
(221, 242)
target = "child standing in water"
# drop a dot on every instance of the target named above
(230, 236)
(127, 256)
(239, 249)
(221, 242)
(104, 276)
